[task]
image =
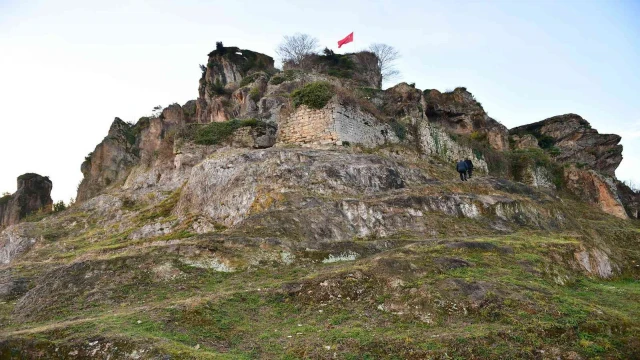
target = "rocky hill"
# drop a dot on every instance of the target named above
(307, 213)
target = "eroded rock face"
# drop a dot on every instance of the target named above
(459, 112)
(595, 188)
(110, 162)
(578, 142)
(630, 199)
(225, 70)
(526, 141)
(33, 194)
(14, 241)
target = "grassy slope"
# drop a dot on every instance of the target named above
(511, 296)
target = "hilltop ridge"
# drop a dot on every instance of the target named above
(308, 213)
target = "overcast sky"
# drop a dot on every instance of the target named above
(68, 67)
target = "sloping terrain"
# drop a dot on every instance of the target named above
(307, 213)
(321, 254)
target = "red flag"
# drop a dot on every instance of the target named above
(346, 40)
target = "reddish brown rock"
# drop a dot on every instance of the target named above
(596, 189)
(459, 112)
(33, 194)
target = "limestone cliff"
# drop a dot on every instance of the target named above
(33, 194)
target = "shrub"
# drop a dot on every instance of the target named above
(255, 94)
(314, 95)
(400, 129)
(216, 132)
(216, 88)
(248, 79)
(286, 75)
(5, 199)
(59, 206)
(545, 141)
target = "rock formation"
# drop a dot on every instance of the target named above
(577, 142)
(33, 194)
(223, 74)
(313, 194)
(459, 112)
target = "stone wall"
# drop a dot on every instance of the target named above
(334, 124)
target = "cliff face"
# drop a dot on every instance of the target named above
(33, 194)
(459, 112)
(225, 70)
(577, 141)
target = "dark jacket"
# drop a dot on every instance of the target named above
(461, 166)
(469, 164)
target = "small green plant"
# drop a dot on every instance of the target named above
(248, 79)
(216, 88)
(255, 94)
(400, 129)
(216, 132)
(6, 197)
(314, 95)
(59, 206)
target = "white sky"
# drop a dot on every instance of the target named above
(68, 67)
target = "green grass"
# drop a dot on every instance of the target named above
(314, 95)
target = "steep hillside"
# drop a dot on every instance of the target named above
(307, 213)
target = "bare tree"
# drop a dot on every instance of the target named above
(294, 48)
(387, 56)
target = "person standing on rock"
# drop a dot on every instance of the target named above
(469, 167)
(461, 166)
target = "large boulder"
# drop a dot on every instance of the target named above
(33, 194)
(459, 112)
(577, 142)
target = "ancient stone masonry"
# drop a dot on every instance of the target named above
(334, 124)
(33, 194)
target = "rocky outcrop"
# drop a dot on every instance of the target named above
(33, 194)
(630, 199)
(577, 142)
(110, 162)
(225, 69)
(360, 69)
(526, 141)
(593, 187)
(459, 112)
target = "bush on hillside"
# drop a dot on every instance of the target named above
(314, 95)
(216, 132)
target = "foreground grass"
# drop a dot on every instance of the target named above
(511, 298)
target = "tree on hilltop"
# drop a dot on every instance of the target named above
(387, 56)
(294, 48)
